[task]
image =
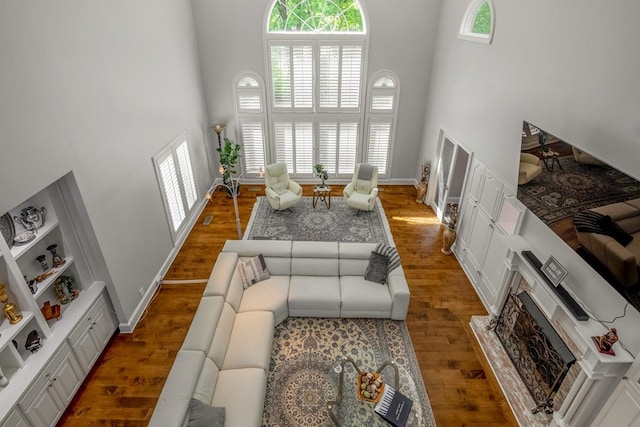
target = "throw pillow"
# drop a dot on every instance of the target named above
(392, 253)
(253, 271)
(203, 415)
(377, 268)
(613, 229)
(279, 188)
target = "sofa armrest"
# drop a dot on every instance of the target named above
(399, 289)
(620, 261)
(173, 405)
(295, 188)
(348, 190)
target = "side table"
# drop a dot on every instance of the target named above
(549, 158)
(323, 194)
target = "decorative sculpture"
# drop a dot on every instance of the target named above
(424, 179)
(50, 311)
(34, 342)
(43, 262)
(605, 342)
(10, 310)
(56, 260)
(449, 229)
(63, 287)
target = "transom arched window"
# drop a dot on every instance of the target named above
(381, 118)
(314, 16)
(478, 22)
(249, 95)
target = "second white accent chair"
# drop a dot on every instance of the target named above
(282, 192)
(362, 191)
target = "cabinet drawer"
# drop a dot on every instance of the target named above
(82, 326)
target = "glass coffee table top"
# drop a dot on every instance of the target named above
(347, 410)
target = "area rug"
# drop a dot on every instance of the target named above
(301, 379)
(304, 222)
(562, 193)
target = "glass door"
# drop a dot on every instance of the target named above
(452, 165)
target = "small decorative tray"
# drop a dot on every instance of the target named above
(24, 237)
(373, 387)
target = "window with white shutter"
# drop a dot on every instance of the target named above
(382, 113)
(177, 183)
(250, 96)
(294, 146)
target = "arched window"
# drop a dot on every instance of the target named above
(249, 96)
(382, 112)
(478, 22)
(316, 60)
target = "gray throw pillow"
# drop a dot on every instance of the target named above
(203, 415)
(377, 269)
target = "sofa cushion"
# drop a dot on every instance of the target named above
(314, 296)
(362, 298)
(277, 253)
(222, 335)
(253, 270)
(314, 258)
(207, 381)
(377, 269)
(173, 403)
(241, 392)
(203, 415)
(268, 295)
(354, 258)
(250, 342)
(203, 325)
(225, 280)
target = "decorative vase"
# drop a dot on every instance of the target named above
(448, 237)
(43, 262)
(421, 192)
(63, 287)
(10, 310)
(56, 259)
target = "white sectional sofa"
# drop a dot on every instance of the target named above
(225, 357)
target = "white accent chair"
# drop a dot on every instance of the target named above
(530, 168)
(362, 191)
(282, 192)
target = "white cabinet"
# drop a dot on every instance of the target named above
(15, 418)
(43, 379)
(91, 335)
(623, 407)
(481, 248)
(50, 394)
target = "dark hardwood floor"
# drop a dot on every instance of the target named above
(125, 383)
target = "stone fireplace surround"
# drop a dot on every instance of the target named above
(591, 379)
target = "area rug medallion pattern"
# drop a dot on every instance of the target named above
(301, 379)
(304, 222)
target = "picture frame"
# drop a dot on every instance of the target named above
(554, 271)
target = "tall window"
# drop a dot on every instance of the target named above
(383, 97)
(478, 22)
(177, 183)
(249, 90)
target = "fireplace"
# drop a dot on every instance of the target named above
(538, 353)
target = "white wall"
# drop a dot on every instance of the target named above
(402, 37)
(569, 67)
(98, 88)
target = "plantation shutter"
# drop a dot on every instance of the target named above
(302, 77)
(283, 135)
(379, 140)
(171, 186)
(252, 133)
(382, 103)
(329, 76)
(186, 173)
(351, 74)
(304, 148)
(281, 76)
(327, 146)
(348, 147)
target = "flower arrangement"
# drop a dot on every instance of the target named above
(320, 172)
(425, 169)
(453, 216)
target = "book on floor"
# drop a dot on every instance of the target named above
(394, 407)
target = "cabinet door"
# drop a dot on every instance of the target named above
(102, 326)
(622, 409)
(85, 349)
(475, 183)
(45, 408)
(478, 237)
(66, 379)
(15, 419)
(491, 193)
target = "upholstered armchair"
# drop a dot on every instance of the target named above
(530, 167)
(362, 191)
(282, 193)
(585, 158)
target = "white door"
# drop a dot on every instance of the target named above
(452, 166)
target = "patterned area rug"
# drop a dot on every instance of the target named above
(301, 379)
(304, 222)
(562, 193)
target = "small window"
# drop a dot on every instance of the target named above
(177, 183)
(383, 98)
(250, 110)
(478, 22)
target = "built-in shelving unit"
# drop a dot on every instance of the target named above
(43, 379)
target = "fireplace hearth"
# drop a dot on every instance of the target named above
(537, 351)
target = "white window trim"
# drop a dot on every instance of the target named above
(171, 151)
(470, 17)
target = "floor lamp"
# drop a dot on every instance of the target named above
(232, 188)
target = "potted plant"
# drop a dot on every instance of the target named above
(229, 155)
(320, 172)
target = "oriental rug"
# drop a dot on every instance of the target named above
(562, 193)
(306, 223)
(301, 379)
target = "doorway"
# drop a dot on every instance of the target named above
(452, 165)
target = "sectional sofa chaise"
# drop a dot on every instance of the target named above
(225, 357)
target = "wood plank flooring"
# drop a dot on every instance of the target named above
(125, 383)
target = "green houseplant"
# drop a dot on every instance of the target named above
(320, 172)
(229, 154)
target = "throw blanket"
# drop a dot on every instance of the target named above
(594, 222)
(365, 172)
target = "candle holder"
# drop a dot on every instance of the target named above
(10, 310)
(43, 262)
(56, 259)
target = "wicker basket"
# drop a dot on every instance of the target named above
(359, 392)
